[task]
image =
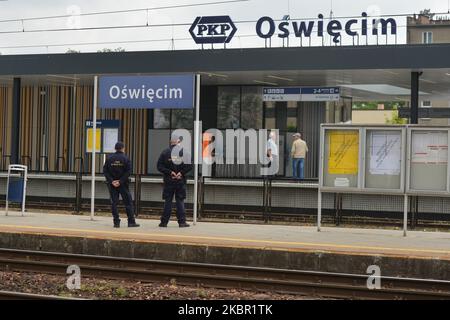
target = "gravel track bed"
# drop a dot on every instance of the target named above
(45, 284)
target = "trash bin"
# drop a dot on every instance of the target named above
(16, 186)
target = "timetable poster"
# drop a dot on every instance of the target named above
(343, 152)
(429, 147)
(385, 153)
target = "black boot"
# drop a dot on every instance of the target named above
(133, 225)
(184, 225)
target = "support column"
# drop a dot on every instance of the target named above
(15, 133)
(415, 97)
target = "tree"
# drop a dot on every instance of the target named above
(72, 51)
(396, 119)
(427, 13)
(106, 50)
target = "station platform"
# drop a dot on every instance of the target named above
(419, 255)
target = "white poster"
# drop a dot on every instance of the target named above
(429, 147)
(385, 153)
(110, 138)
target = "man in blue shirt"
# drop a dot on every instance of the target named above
(117, 171)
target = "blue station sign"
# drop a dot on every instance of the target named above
(147, 92)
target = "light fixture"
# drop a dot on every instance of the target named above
(390, 72)
(210, 74)
(265, 82)
(447, 74)
(426, 80)
(280, 78)
(62, 77)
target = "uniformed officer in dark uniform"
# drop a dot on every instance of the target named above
(171, 165)
(117, 170)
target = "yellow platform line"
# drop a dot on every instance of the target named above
(239, 240)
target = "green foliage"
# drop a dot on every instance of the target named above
(396, 119)
(373, 105)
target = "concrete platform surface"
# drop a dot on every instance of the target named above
(373, 242)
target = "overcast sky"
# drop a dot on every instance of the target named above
(249, 10)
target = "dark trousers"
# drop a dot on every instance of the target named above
(179, 191)
(127, 200)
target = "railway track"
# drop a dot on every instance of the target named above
(7, 295)
(310, 283)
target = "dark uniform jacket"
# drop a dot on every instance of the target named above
(117, 167)
(166, 165)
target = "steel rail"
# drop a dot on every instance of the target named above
(8, 295)
(311, 283)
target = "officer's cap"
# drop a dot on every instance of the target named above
(119, 145)
(175, 137)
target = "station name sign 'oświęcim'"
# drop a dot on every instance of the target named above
(341, 31)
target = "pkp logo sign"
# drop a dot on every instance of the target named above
(216, 29)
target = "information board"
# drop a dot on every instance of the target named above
(341, 158)
(106, 138)
(383, 159)
(98, 136)
(110, 138)
(302, 94)
(428, 160)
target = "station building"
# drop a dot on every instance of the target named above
(46, 99)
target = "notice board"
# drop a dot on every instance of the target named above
(428, 160)
(384, 156)
(341, 158)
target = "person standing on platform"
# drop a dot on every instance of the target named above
(273, 154)
(298, 154)
(171, 164)
(117, 170)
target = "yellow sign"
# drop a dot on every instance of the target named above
(98, 136)
(343, 152)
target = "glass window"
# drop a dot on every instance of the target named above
(426, 104)
(427, 37)
(252, 108)
(270, 121)
(182, 119)
(228, 109)
(292, 111)
(161, 119)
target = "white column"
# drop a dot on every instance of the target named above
(94, 131)
(405, 215)
(319, 210)
(196, 145)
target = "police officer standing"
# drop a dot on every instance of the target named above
(117, 170)
(171, 165)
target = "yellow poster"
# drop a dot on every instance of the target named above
(343, 152)
(97, 140)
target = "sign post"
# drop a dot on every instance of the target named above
(94, 147)
(196, 145)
